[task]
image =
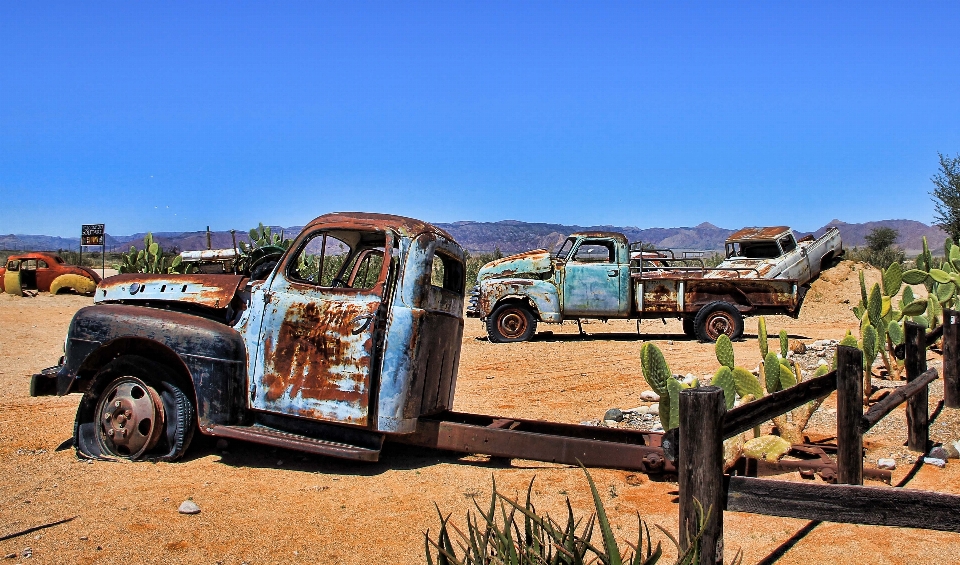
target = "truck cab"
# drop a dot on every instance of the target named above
(352, 337)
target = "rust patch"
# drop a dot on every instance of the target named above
(771, 232)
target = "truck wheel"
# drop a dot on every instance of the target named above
(689, 328)
(134, 410)
(511, 322)
(719, 318)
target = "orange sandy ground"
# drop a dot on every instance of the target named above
(261, 505)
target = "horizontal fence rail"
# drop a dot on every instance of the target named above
(896, 398)
(748, 416)
(854, 504)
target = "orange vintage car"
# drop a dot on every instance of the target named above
(45, 272)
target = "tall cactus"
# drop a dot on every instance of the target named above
(657, 374)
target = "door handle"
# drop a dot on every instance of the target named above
(366, 322)
(613, 272)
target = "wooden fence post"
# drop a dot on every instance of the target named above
(951, 359)
(915, 361)
(849, 415)
(700, 469)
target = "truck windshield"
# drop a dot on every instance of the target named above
(753, 249)
(565, 248)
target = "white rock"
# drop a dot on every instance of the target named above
(654, 408)
(189, 507)
(649, 396)
(935, 462)
(823, 362)
(886, 463)
(610, 423)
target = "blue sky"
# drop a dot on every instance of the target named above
(174, 116)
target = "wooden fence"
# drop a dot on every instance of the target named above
(705, 423)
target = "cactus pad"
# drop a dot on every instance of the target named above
(673, 391)
(762, 336)
(787, 378)
(914, 276)
(724, 350)
(655, 368)
(768, 448)
(892, 279)
(771, 372)
(784, 343)
(724, 379)
(895, 332)
(746, 383)
(870, 346)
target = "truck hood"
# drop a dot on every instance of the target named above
(211, 291)
(530, 262)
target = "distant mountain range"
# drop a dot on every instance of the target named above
(509, 236)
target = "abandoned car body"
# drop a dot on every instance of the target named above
(45, 272)
(353, 338)
(599, 275)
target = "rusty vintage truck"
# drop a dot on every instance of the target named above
(599, 275)
(352, 340)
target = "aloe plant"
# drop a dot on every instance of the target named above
(510, 533)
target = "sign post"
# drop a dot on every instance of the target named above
(93, 235)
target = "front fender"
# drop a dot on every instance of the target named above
(211, 354)
(542, 295)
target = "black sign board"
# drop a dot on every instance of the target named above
(91, 234)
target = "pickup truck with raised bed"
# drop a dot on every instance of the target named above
(599, 275)
(352, 339)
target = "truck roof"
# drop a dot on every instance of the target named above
(351, 220)
(771, 232)
(608, 234)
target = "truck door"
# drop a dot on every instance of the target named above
(320, 325)
(798, 262)
(594, 282)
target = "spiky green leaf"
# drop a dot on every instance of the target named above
(914, 276)
(895, 332)
(875, 305)
(724, 379)
(655, 368)
(771, 372)
(746, 383)
(762, 336)
(673, 390)
(915, 308)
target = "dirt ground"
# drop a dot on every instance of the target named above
(262, 505)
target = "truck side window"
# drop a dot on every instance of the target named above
(565, 248)
(320, 260)
(595, 252)
(787, 243)
(447, 273)
(13, 265)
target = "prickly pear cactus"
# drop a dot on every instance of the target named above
(672, 419)
(869, 345)
(784, 344)
(771, 372)
(787, 378)
(724, 379)
(895, 332)
(762, 336)
(746, 383)
(655, 368)
(724, 350)
(768, 448)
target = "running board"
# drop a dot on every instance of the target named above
(592, 446)
(269, 436)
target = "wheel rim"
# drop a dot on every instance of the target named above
(512, 324)
(130, 416)
(720, 323)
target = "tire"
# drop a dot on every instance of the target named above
(134, 410)
(510, 323)
(718, 318)
(689, 327)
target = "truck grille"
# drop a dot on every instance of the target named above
(473, 306)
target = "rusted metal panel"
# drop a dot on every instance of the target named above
(403, 226)
(660, 295)
(542, 294)
(212, 291)
(533, 262)
(770, 232)
(542, 441)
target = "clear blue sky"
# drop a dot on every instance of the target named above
(174, 116)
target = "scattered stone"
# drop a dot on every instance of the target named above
(614, 414)
(189, 507)
(822, 363)
(27, 553)
(798, 347)
(610, 423)
(669, 342)
(649, 396)
(11, 556)
(588, 423)
(886, 463)
(84, 538)
(953, 449)
(222, 444)
(935, 462)
(938, 453)
(654, 408)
